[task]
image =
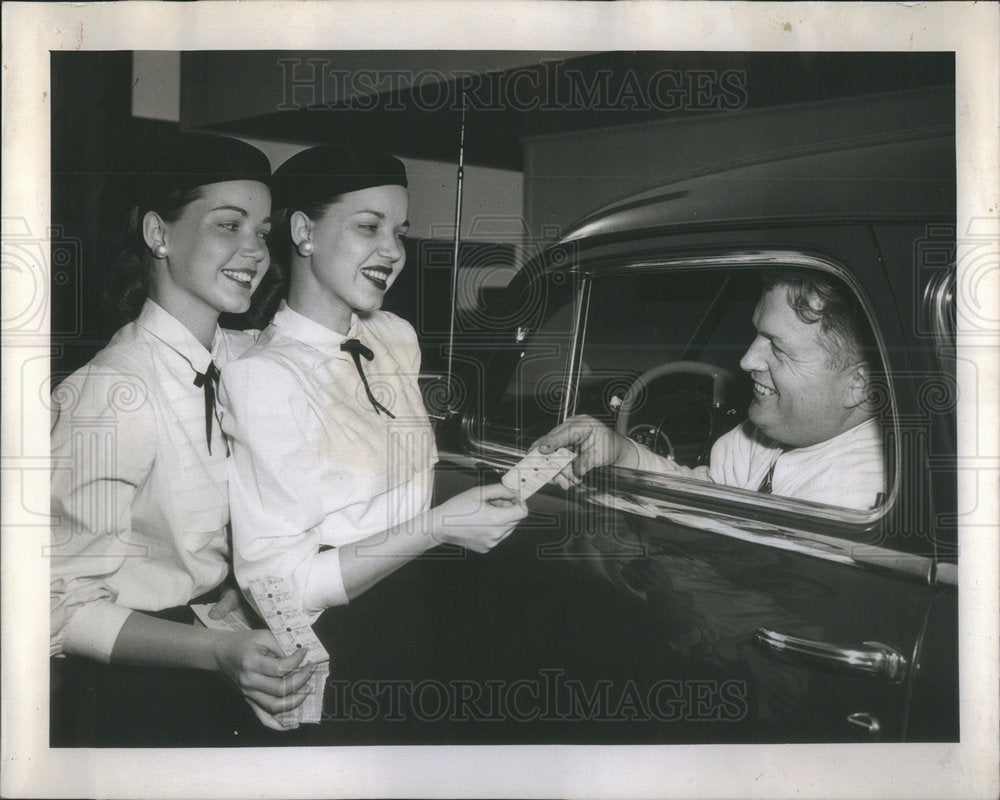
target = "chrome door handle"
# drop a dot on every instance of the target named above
(866, 724)
(872, 658)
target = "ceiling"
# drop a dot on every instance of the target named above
(409, 102)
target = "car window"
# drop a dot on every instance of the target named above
(530, 401)
(660, 364)
(653, 333)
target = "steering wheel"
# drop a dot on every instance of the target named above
(653, 436)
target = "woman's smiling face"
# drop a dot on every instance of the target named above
(216, 252)
(358, 248)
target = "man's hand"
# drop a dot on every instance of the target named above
(595, 443)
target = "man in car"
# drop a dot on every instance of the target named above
(811, 432)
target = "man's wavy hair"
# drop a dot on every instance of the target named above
(818, 298)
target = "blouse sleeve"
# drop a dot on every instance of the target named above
(275, 484)
(103, 444)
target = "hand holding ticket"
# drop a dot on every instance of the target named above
(535, 470)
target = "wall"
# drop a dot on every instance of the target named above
(156, 85)
(492, 198)
(492, 202)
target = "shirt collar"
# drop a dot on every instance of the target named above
(861, 430)
(172, 332)
(310, 332)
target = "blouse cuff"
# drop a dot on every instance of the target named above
(93, 630)
(325, 584)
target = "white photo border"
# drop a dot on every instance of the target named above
(965, 770)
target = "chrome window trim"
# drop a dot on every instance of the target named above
(939, 305)
(581, 314)
(946, 575)
(730, 259)
(674, 508)
(713, 491)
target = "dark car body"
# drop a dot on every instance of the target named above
(752, 617)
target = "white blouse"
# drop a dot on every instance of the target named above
(141, 508)
(313, 462)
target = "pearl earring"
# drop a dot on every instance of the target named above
(160, 251)
(305, 248)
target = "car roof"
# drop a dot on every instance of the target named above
(910, 176)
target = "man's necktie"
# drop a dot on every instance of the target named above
(209, 380)
(356, 349)
(765, 485)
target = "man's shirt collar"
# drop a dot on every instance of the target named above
(865, 428)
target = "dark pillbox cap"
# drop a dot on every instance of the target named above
(319, 174)
(189, 160)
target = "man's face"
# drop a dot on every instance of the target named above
(798, 400)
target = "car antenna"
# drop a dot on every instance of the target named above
(454, 260)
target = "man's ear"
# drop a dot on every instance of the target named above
(858, 386)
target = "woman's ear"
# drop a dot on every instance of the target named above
(300, 227)
(154, 233)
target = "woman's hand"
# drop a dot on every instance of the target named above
(479, 518)
(229, 601)
(253, 661)
(595, 443)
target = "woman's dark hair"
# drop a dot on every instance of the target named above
(274, 286)
(126, 284)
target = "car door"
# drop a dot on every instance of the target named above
(771, 618)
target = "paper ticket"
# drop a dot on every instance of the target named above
(235, 620)
(292, 630)
(536, 469)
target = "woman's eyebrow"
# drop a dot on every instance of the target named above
(231, 208)
(404, 224)
(241, 211)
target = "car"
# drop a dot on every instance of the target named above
(693, 611)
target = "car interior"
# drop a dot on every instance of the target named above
(659, 360)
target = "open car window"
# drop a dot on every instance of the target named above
(539, 364)
(660, 364)
(654, 353)
(660, 361)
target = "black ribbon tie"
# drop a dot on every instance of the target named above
(209, 380)
(356, 349)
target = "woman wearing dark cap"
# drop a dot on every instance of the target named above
(139, 479)
(333, 452)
